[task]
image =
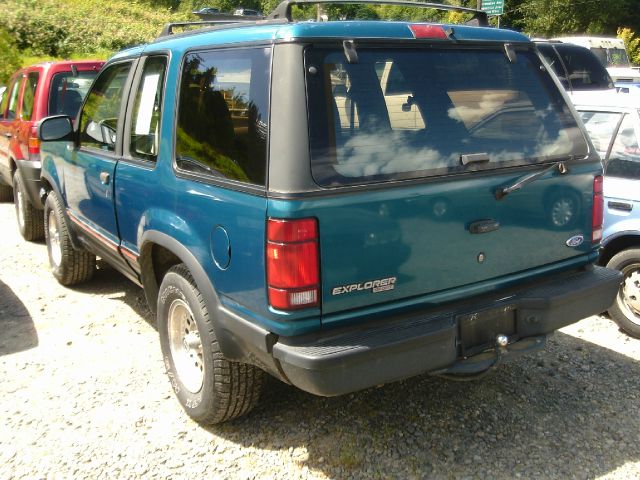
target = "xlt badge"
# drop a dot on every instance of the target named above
(376, 286)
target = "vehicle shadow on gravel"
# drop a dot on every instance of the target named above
(567, 412)
(17, 331)
(108, 281)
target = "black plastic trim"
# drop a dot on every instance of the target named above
(29, 171)
(342, 361)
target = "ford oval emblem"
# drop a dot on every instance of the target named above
(575, 241)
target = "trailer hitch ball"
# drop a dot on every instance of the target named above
(502, 340)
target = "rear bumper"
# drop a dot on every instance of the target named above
(453, 340)
(30, 172)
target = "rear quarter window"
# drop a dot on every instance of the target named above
(223, 114)
(412, 112)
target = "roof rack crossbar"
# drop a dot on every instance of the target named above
(168, 28)
(283, 10)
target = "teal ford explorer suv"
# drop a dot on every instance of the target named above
(339, 204)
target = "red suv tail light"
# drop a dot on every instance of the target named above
(34, 144)
(598, 210)
(293, 267)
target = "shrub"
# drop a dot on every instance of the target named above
(632, 42)
(9, 55)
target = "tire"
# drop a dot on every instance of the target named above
(30, 219)
(210, 388)
(625, 310)
(6, 193)
(68, 265)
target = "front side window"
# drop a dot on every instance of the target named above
(223, 114)
(601, 127)
(67, 91)
(145, 122)
(624, 159)
(99, 117)
(416, 112)
(29, 95)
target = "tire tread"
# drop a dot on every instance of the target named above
(76, 266)
(237, 386)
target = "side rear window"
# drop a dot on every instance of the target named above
(584, 69)
(99, 117)
(12, 112)
(67, 91)
(29, 95)
(145, 123)
(223, 114)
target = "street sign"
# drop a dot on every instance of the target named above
(493, 7)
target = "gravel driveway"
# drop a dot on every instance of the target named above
(84, 395)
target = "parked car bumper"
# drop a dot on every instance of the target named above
(458, 340)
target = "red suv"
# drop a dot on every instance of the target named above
(33, 93)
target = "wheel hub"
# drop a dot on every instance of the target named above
(185, 345)
(55, 249)
(20, 208)
(630, 292)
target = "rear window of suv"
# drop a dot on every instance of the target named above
(67, 92)
(409, 113)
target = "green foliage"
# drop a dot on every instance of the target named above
(10, 57)
(632, 43)
(549, 18)
(44, 28)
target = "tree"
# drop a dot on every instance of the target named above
(9, 55)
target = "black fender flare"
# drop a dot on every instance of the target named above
(236, 337)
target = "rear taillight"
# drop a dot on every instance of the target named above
(34, 144)
(293, 267)
(598, 210)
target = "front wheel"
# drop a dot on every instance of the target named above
(30, 219)
(210, 388)
(625, 310)
(68, 265)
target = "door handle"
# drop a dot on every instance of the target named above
(484, 226)
(8, 135)
(624, 206)
(105, 178)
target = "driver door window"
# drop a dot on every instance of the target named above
(99, 118)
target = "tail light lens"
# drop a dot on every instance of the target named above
(428, 31)
(34, 144)
(293, 267)
(598, 209)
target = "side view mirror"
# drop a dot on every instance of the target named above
(57, 127)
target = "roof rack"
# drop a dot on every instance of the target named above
(226, 20)
(283, 10)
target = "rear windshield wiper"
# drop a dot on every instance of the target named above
(500, 193)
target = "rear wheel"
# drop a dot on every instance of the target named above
(30, 219)
(210, 388)
(6, 193)
(625, 310)
(68, 265)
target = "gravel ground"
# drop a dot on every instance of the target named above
(84, 395)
